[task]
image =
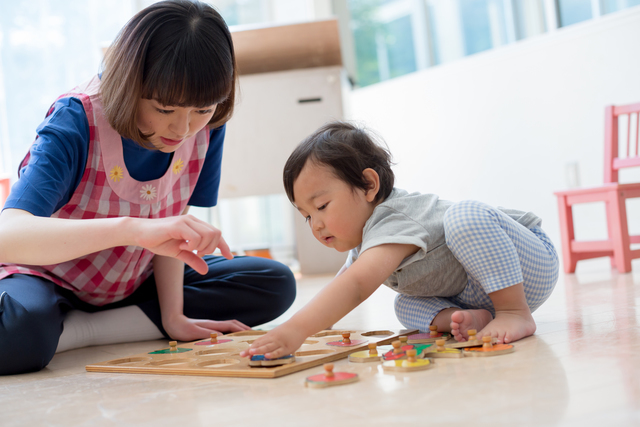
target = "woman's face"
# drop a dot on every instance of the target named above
(171, 125)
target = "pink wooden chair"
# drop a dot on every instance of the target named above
(4, 189)
(614, 194)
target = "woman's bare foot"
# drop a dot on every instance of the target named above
(509, 326)
(463, 320)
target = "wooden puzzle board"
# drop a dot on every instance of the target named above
(223, 359)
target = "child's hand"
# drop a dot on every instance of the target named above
(279, 342)
(179, 236)
(182, 328)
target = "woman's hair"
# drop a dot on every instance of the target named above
(347, 150)
(178, 52)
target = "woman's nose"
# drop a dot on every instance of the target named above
(180, 126)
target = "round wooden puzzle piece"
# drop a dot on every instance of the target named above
(173, 349)
(473, 341)
(346, 341)
(442, 352)
(370, 355)
(399, 350)
(489, 349)
(428, 337)
(261, 360)
(330, 378)
(410, 364)
(213, 340)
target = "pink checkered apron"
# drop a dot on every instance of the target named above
(106, 191)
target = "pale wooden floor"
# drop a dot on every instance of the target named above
(582, 367)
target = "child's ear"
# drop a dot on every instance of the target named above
(373, 179)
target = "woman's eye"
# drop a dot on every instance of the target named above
(322, 207)
(307, 218)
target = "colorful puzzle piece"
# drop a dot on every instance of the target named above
(442, 352)
(489, 349)
(213, 340)
(330, 378)
(173, 348)
(370, 355)
(411, 363)
(346, 341)
(399, 350)
(261, 360)
(428, 337)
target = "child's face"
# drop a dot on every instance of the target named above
(171, 125)
(335, 211)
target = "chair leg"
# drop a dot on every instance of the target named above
(569, 260)
(617, 210)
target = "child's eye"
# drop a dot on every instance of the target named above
(322, 207)
(161, 111)
(205, 112)
(307, 218)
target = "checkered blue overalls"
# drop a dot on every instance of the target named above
(496, 252)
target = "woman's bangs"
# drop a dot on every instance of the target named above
(187, 85)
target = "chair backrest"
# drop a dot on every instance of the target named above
(618, 155)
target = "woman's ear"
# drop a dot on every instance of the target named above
(373, 180)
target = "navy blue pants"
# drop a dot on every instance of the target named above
(32, 310)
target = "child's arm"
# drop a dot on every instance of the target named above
(339, 297)
(33, 240)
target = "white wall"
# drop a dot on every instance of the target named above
(502, 126)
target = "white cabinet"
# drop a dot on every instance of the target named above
(274, 112)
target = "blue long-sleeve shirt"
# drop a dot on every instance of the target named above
(59, 156)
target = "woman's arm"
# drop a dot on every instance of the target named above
(332, 303)
(169, 276)
(33, 240)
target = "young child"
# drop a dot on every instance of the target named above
(459, 266)
(96, 227)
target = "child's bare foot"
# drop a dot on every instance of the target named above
(463, 320)
(509, 326)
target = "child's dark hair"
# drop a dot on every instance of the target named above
(178, 52)
(347, 150)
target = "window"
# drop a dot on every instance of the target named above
(574, 11)
(396, 37)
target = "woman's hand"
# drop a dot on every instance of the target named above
(279, 342)
(182, 328)
(179, 237)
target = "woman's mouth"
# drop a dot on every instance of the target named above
(170, 142)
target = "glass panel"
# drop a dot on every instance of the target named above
(530, 18)
(609, 6)
(365, 30)
(483, 24)
(400, 48)
(574, 11)
(47, 48)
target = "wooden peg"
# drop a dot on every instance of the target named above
(486, 342)
(472, 334)
(440, 345)
(403, 340)
(433, 331)
(214, 338)
(397, 347)
(328, 370)
(173, 346)
(373, 348)
(345, 338)
(411, 355)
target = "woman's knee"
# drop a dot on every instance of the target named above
(28, 339)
